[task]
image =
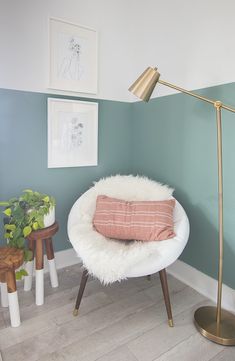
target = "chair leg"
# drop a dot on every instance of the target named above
(163, 279)
(81, 291)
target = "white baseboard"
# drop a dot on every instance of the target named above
(202, 283)
(189, 275)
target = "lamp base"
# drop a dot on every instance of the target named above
(205, 321)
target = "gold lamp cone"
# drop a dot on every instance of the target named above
(145, 84)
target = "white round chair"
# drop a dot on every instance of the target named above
(112, 260)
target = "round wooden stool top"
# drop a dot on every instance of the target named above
(44, 233)
(10, 258)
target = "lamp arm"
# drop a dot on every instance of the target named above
(195, 95)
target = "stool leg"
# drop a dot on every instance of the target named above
(39, 273)
(3, 286)
(163, 279)
(13, 299)
(51, 262)
(81, 291)
(28, 280)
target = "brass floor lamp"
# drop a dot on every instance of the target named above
(212, 322)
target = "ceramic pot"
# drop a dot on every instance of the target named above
(49, 218)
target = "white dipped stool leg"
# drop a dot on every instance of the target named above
(53, 273)
(39, 273)
(39, 287)
(4, 296)
(13, 298)
(14, 309)
(51, 263)
(37, 239)
(28, 280)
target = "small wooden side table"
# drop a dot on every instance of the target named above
(36, 241)
(10, 259)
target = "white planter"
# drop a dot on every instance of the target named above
(49, 218)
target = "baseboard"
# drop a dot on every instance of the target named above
(202, 283)
(189, 275)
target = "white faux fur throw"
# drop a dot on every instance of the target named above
(104, 258)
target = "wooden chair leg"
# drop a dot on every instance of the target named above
(81, 291)
(163, 279)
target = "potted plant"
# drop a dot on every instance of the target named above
(29, 212)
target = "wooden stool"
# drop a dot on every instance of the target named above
(10, 259)
(36, 241)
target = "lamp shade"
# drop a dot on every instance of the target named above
(145, 84)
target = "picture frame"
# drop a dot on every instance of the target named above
(72, 133)
(73, 57)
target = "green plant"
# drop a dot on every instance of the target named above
(23, 215)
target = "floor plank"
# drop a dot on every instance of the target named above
(194, 348)
(228, 354)
(119, 354)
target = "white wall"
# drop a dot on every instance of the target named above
(190, 41)
(24, 48)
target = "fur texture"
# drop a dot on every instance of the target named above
(105, 258)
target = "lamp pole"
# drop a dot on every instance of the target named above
(218, 105)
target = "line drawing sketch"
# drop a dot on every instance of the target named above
(72, 134)
(70, 62)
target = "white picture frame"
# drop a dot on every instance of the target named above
(72, 133)
(73, 57)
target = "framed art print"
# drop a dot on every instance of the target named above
(72, 133)
(73, 57)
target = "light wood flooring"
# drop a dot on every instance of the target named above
(123, 322)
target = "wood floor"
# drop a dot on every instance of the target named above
(123, 322)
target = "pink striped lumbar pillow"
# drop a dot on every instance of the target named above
(139, 220)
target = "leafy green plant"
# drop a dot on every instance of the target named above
(22, 216)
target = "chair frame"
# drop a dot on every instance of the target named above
(165, 290)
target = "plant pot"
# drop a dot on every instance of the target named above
(49, 218)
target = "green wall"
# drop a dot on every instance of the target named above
(174, 141)
(23, 152)
(171, 139)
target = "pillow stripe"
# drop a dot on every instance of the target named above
(103, 214)
(136, 224)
